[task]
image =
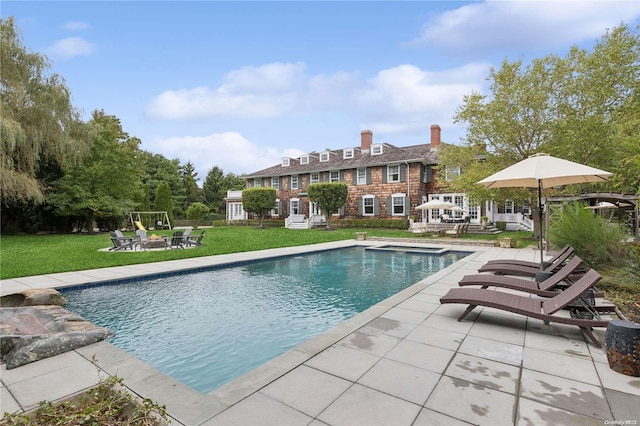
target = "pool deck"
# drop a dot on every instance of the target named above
(404, 361)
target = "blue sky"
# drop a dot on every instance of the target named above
(239, 85)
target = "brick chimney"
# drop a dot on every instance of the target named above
(366, 139)
(435, 136)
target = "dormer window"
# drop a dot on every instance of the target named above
(324, 156)
(304, 159)
(376, 149)
(286, 162)
(347, 153)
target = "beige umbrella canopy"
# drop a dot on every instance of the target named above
(436, 204)
(544, 171)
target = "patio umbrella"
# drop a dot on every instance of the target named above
(544, 171)
(602, 205)
(436, 205)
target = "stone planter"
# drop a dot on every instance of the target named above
(361, 236)
(504, 242)
(623, 347)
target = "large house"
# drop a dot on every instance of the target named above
(384, 181)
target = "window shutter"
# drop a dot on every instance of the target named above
(341, 211)
(384, 174)
(360, 207)
(376, 206)
(355, 176)
(403, 172)
(340, 175)
(389, 206)
(407, 205)
(280, 183)
(368, 174)
(429, 174)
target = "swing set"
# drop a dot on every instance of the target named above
(156, 220)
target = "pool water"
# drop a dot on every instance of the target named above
(208, 328)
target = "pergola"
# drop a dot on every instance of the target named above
(627, 203)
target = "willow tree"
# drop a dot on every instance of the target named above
(38, 124)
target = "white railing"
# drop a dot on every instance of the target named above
(514, 220)
(296, 220)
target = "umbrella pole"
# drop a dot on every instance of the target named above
(540, 275)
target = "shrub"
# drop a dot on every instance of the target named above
(196, 212)
(502, 226)
(597, 242)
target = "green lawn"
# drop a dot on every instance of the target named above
(25, 255)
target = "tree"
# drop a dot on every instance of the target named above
(329, 197)
(106, 184)
(583, 107)
(163, 201)
(189, 178)
(197, 211)
(160, 169)
(258, 201)
(212, 189)
(38, 124)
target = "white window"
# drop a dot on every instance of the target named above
(347, 153)
(304, 159)
(334, 176)
(508, 206)
(275, 183)
(294, 206)
(286, 162)
(314, 178)
(376, 149)
(367, 205)
(393, 173)
(526, 209)
(397, 204)
(257, 182)
(362, 176)
(294, 182)
(452, 173)
(276, 208)
(324, 156)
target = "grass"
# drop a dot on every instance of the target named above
(26, 255)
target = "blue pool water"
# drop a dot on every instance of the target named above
(207, 328)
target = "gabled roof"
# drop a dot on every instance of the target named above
(390, 154)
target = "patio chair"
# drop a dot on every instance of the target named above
(542, 309)
(526, 270)
(455, 232)
(194, 240)
(177, 239)
(547, 288)
(546, 263)
(120, 242)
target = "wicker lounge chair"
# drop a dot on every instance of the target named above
(502, 268)
(546, 263)
(546, 288)
(542, 309)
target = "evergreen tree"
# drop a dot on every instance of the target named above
(162, 201)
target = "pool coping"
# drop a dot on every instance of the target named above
(252, 394)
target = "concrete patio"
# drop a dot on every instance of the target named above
(404, 361)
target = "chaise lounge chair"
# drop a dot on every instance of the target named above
(546, 263)
(542, 309)
(546, 288)
(502, 268)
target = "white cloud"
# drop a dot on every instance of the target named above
(404, 98)
(398, 99)
(75, 26)
(512, 25)
(228, 150)
(69, 47)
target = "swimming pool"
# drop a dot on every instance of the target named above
(207, 328)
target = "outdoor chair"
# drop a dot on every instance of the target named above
(177, 239)
(547, 288)
(194, 240)
(527, 270)
(120, 242)
(542, 309)
(546, 263)
(455, 232)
